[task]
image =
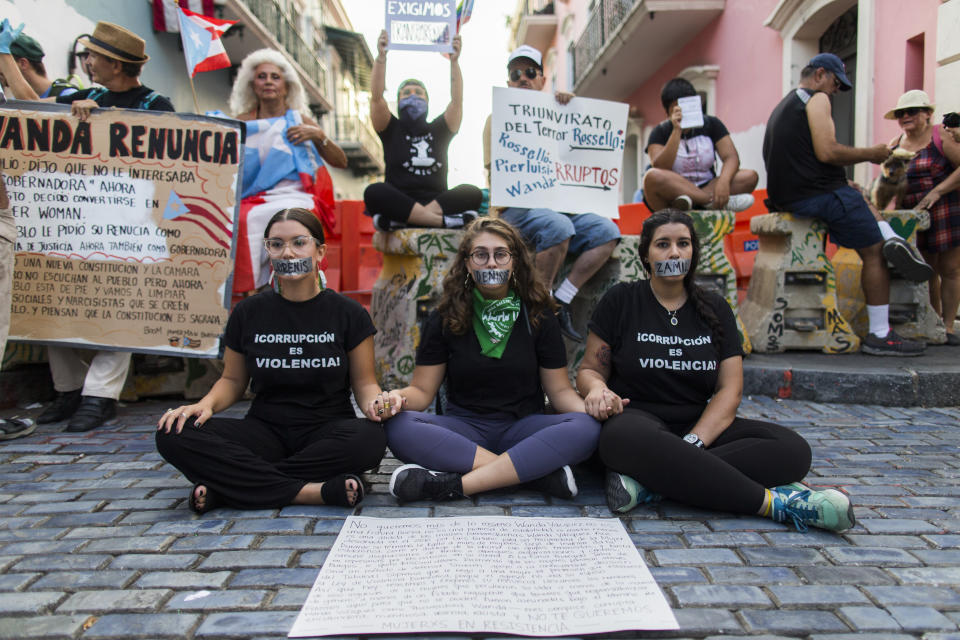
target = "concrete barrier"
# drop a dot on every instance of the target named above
(791, 301)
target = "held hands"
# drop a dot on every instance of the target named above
(386, 405)
(305, 133)
(176, 418)
(676, 115)
(82, 108)
(601, 403)
(563, 97)
(8, 34)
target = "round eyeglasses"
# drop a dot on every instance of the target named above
(300, 245)
(481, 257)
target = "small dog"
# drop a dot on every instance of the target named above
(892, 181)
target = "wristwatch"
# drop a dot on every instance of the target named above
(694, 439)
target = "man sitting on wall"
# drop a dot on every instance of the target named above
(682, 161)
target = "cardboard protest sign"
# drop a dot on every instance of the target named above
(563, 157)
(421, 25)
(487, 574)
(125, 225)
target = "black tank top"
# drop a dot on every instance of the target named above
(793, 171)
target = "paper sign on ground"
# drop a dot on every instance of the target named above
(490, 574)
(421, 25)
(691, 109)
(567, 158)
(125, 227)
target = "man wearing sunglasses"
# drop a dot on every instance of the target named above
(552, 234)
(805, 176)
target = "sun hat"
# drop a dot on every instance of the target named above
(915, 98)
(113, 41)
(526, 51)
(834, 65)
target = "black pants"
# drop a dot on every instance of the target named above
(251, 464)
(729, 476)
(394, 204)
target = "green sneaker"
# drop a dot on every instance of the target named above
(798, 504)
(624, 493)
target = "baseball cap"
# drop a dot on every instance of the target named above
(526, 51)
(24, 46)
(835, 65)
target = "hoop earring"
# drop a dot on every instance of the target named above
(467, 281)
(275, 282)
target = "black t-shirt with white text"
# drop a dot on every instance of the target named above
(669, 371)
(416, 163)
(296, 354)
(136, 98)
(480, 384)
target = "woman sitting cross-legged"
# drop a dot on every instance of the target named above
(304, 348)
(496, 341)
(663, 367)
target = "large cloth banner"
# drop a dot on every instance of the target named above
(421, 25)
(567, 158)
(488, 574)
(125, 227)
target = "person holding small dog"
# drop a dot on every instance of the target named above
(933, 179)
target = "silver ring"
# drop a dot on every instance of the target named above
(169, 410)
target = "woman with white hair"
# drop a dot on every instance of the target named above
(284, 164)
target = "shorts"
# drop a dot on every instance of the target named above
(848, 218)
(545, 228)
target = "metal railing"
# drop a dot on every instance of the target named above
(278, 22)
(606, 18)
(352, 128)
(536, 7)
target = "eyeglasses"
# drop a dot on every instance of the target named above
(481, 257)
(300, 245)
(909, 111)
(530, 72)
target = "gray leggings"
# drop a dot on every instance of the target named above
(538, 444)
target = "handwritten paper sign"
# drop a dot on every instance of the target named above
(125, 227)
(421, 25)
(564, 157)
(491, 574)
(691, 109)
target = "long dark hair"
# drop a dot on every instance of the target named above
(297, 214)
(694, 292)
(456, 303)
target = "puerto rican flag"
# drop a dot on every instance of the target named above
(202, 46)
(203, 213)
(165, 13)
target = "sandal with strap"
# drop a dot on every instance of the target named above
(11, 428)
(210, 502)
(334, 490)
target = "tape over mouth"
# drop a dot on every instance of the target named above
(673, 267)
(491, 276)
(293, 267)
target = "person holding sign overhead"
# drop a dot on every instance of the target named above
(415, 192)
(88, 384)
(495, 340)
(302, 349)
(683, 150)
(553, 235)
(663, 367)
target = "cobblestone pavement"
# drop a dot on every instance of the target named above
(96, 540)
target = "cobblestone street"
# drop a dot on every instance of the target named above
(97, 541)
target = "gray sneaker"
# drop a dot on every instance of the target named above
(906, 260)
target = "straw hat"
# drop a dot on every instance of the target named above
(113, 41)
(914, 98)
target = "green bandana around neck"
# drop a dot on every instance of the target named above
(493, 322)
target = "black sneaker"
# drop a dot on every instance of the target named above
(412, 482)
(891, 345)
(906, 260)
(566, 323)
(385, 224)
(459, 220)
(62, 407)
(12, 428)
(92, 413)
(559, 483)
